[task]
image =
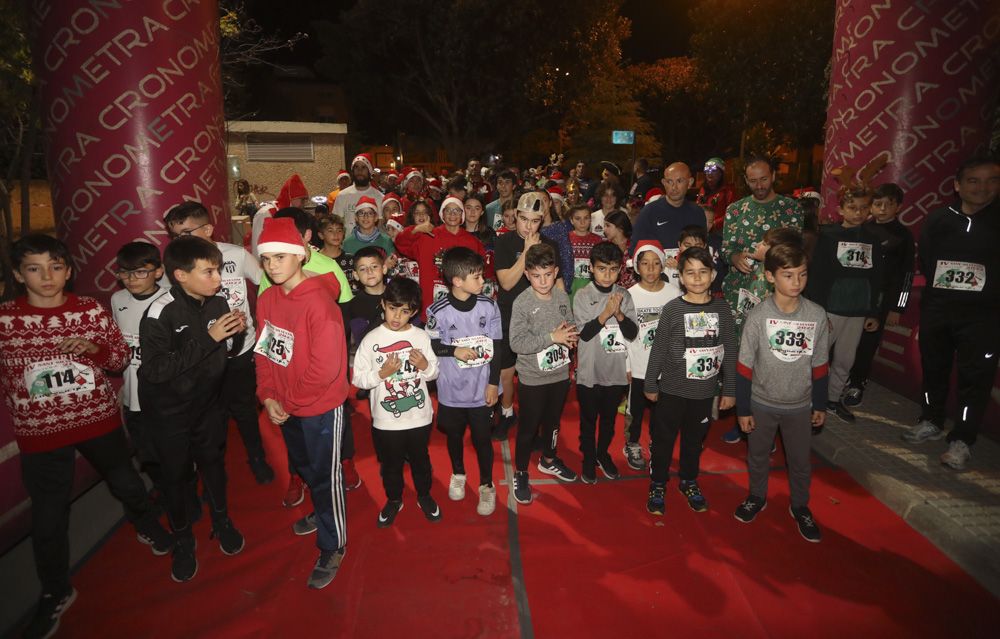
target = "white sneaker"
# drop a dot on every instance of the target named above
(924, 430)
(456, 488)
(957, 455)
(487, 500)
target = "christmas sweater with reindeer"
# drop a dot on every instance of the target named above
(58, 400)
(402, 400)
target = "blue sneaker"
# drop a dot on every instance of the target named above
(655, 504)
(695, 499)
(733, 436)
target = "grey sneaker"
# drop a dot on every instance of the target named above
(487, 500)
(456, 488)
(326, 568)
(957, 455)
(305, 526)
(923, 431)
(634, 457)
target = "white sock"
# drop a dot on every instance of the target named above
(507, 411)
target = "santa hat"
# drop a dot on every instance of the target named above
(412, 174)
(395, 347)
(557, 193)
(806, 192)
(557, 177)
(435, 183)
(364, 159)
(652, 246)
(344, 174)
(280, 236)
(291, 189)
(451, 199)
(390, 197)
(366, 202)
(653, 194)
(391, 173)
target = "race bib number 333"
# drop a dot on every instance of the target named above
(789, 340)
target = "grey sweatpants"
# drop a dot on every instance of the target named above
(796, 436)
(845, 334)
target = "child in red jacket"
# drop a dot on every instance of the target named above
(302, 382)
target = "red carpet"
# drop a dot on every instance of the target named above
(595, 564)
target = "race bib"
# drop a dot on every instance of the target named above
(58, 376)
(703, 363)
(481, 344)
(553, 358)
(133, 345)
(611, 339)
(407, 371)
(670, 254)
(498, 223)
(409, 269)
(746, 301)
(647, 333)
(789, 340)
(698, 325)
(959, 276)
(234, 290)
(440, 291)
(854, 254)
(276, 344)
(581, 268)
(490, 289)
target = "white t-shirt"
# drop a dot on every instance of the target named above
(346, 201)
(647, 309)
(128, 312)
(238, 266)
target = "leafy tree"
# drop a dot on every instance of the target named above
(765, 62)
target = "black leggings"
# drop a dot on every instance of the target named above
(637, 404)
(452, 421)
(692, 418)
(397, 447)
(541, 407)
(598, 410)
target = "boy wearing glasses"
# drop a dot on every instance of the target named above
(139, 268)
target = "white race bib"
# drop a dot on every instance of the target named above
(747, 301)
(702, 324)
(407, 371)
(670, 254)
(481, 344)
(490, 288)
(553, 358)
(611, 339)
(854, 254)
(133, 345)
(581, 268)
(234, 290)
(647, 333)
(440, 291)
(276, 344)
(959, 276)
(57, 376)
(703, 363)
(789, 340)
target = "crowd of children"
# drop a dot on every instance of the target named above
(504, 287)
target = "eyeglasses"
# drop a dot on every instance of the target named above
(366, 213)
(190, 231)
(139, 274)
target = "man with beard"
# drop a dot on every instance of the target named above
(362, 170)
(747, 220)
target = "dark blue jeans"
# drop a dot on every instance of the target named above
(314, 449)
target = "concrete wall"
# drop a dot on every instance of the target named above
(319, 176)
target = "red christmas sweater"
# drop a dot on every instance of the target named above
(300, 352)
(58, 400)
(428, 250)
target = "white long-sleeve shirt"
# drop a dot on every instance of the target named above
(401, 401)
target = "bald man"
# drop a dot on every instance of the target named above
(663, 219)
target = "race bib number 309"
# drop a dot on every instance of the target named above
(554, 357)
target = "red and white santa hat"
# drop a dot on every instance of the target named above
(366, 202)
(390, 197)
(280, 236)
(557, 177)
(344, 174)
(451, 199)
(412, 174)
(653, 194)
(435, 184)
(557, 193)
(391, 173)
(649, 245)
(364, 159)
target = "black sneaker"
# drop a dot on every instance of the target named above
(152, 534)
(557, 469)
(388, 513)
(747, 511)
(634, 457)
(503, 426)
(51, 607)
(588, 472)
(185, 564)
(696, 500)
(326, 568)
(853, 396)
(807, 525)
(262, 472)
(608, 467)
(430, 507)
(840, 411)
(305, 526)
(231, 542)
(655, 504)
(362, 394)
(522, 487)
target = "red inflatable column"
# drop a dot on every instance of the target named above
(131, 107)
(918, 79)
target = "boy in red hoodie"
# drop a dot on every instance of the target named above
(302, 382)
